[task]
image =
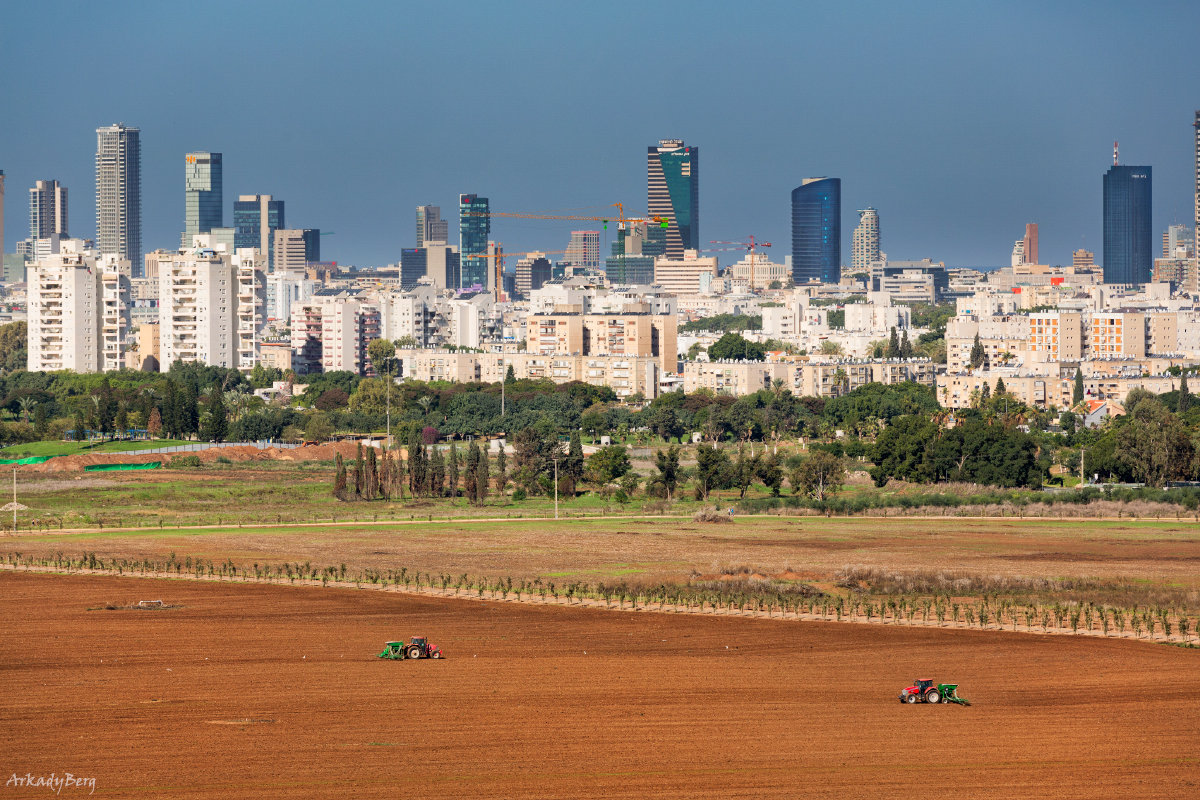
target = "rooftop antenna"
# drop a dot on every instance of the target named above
(1115, 161)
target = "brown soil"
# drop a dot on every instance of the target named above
(269, 691)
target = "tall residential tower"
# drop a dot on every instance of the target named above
(817, 230)
(203, 197)
(673, 192)
(47, 210)
(119, 192)
(866, 241)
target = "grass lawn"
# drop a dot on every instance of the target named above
(74, 448)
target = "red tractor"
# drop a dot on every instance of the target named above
(924, 691)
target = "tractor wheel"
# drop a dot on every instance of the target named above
(414, 652)
(436, 654)
(912, 698)
(933, 697)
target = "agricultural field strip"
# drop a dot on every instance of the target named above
(650, 607)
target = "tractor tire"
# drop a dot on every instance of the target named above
(912, 698)
(414, 652)
(436, 654)
(933, 697)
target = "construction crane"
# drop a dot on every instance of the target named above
(621, 219)
(749, 245)
(499, 256)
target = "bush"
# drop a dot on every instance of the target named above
(518, 495)
(710, 514)
(183, 462)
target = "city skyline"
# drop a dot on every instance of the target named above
(955, 177)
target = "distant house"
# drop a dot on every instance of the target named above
(1095, 412)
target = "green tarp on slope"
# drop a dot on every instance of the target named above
(121, 467)
(30, 460)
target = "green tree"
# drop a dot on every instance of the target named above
(359, 471)
(819, 475)
(216, 424)
(41, 422)
(893, 345)
(733, 346)
(1153, 444)
(510, 377)
(1000, 389)
(712, 465)
(830, 348)
(1184, 402)
(906, 348)
(122, 420)
(1077, 393)
(319, 428)
(154, 426)
(501, 470)
(770, 472)
(371, 476)
(744, 470)
(437, 472)
(452, 471)
(483, 476)
(382, 355)
(608, 464)
(339, 478)
(667, 464)
(471, 473)
(80, 429)
(978, 354)
(572, 466)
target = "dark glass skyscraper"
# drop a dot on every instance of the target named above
(673, 192)
(817, 230)
(256, 217)
(474, 227)
(203, 196)
(1128, 257)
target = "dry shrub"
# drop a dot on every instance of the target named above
(710, 514)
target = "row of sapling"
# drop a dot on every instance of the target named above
(742, 596)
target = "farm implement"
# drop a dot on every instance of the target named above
(924, 691)
(419, 647)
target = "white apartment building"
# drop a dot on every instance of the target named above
(866, 243)
(64, 311)
(251, 266)
(198, 309)
(114, 310)
(283, 289)
(330, 333)
(757, 272)
(683, 276)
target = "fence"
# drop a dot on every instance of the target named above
(262, 444)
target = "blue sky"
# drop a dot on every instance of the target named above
(959, 121)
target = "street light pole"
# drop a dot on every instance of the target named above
(555, 492)
(389, 403)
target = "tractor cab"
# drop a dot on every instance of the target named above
(419, 641)
(923, 685)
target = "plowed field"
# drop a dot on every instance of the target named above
(268, 691)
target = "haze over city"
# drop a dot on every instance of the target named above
(959, 123)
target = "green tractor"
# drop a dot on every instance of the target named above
(418, 648)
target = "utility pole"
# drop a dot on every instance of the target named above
(503, 375)
(555, 492)
(1082, 470)
(14, 506)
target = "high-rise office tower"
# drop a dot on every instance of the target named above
(673, 193)
(1, 217)
(1031, 243)
(474, 227)
(1196, 127)
(817, 230)
(47, 210)
(256, 217)
(1128, 255)
(1083, 258)
(430, 226)
(119, 192)
(866, 241)
(203, 196)
(583, 251)
(294, 249)
(1178, 238)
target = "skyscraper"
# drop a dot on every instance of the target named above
(866, 241)
(256, 217)
(1128, 257)
(673, 192)
(430, 226)
(1, 217)
(47, 210)
(119, 192)
(583, 252)
(474, 227)
(295, 249)
(1196, 127)
(1031, 243)
(203, 196)
(817, 230)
